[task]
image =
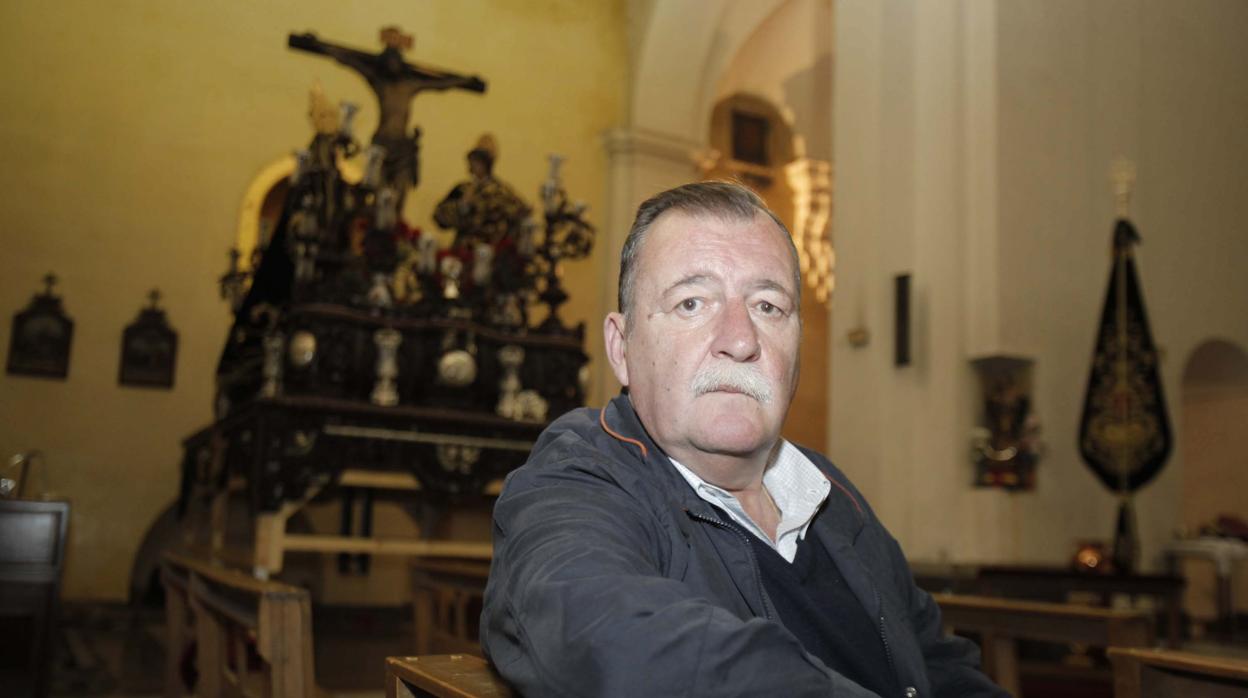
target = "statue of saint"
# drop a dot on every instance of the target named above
(396, 83)
(483, 209)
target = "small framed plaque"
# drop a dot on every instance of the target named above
(41, 337)
(149, 349)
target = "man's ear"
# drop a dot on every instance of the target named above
(613, 335)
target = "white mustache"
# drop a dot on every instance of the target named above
(742, 378)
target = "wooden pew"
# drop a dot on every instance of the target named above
(230, 611)
(1140, 673)
(447, 597)
(443, 676)
(1055, 584)
(1002, 622)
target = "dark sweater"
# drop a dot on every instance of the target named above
(815, 604)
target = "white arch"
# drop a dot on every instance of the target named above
(684, 49)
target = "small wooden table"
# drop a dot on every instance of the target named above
(1140, 673)
(443, 676)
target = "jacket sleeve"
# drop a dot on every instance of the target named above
(578, 605)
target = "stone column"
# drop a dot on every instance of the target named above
(639, 163)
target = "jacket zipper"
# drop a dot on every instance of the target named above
(888, 651)
(749, 549)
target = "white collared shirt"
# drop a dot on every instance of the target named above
(797, 486)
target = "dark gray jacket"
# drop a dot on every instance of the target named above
(611, 577)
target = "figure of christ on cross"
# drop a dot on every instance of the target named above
(396, 83)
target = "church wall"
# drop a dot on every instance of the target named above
(1073, 85)
(1161, 84)
(901, 432)
(131, 130)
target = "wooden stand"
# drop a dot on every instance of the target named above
(281, 453)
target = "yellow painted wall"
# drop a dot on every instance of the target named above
(130, 131)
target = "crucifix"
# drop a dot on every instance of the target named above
(396, 83)
(1122, 174)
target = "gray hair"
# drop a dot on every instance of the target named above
(728, 201)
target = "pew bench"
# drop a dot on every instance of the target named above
(233, 612)
(1143, 673)
(1001, 623)
(443, 676)
(447, 596)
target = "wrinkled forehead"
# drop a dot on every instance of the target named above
(679, 242)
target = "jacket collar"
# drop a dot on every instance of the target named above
(620, 423)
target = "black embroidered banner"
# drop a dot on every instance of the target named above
(1124, 436)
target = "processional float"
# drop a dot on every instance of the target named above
(365, 354)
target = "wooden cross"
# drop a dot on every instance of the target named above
(1122, 174)
(153, 296)
(50, 279)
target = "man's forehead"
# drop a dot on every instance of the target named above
(738, 239)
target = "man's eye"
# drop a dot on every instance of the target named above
(690, 305)
(769, 309)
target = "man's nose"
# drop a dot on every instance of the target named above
(736, 337)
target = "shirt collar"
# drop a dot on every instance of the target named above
(796, 484)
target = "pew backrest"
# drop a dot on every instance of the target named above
(1001, 623)
(1152, 673)
(443, 676)
(253, 637)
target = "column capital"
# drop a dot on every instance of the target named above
(632, 141)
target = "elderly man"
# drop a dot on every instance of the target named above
(672, 543)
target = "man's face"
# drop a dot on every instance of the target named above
(709, 349)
